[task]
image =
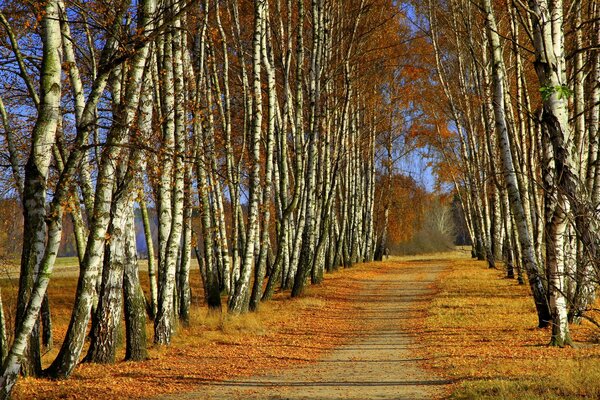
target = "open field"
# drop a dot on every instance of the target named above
(65, 267)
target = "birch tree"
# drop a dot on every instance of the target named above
(238, 302)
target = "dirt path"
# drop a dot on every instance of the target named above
(380, 364)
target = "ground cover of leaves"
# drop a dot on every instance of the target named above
(480, 331)
(285, 332)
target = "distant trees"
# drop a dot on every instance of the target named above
(400, 205)
(417, 221)
(436, 232)
(259, 120)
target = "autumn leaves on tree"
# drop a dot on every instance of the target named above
(263, 138)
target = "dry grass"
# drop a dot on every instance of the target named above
(480, 331)
(283, 333)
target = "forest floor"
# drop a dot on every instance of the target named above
(414, 327)
(480, 333)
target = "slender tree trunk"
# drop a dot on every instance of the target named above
(135, 304)
(238, 302)
(556, 226)
(164, 324)
(36, 175)
(260, 270)
(529, 260)
(145, 126)
(186, 257)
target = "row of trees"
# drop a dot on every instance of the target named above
(261, 118)
(523, 102)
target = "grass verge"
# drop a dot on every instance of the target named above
(480, 331)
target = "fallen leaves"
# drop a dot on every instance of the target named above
(284, 333)
(480, 331)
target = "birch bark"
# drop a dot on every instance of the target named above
(260, 270)
(238, 302)
(529, 261)
(36, 172)
(164, 325)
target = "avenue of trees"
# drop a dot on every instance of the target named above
(263, 139)
(518, 138)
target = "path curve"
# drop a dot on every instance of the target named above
(380, 365)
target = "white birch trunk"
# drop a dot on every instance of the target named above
(37, 169)
(174, 133)
(238, 302)
(135, 318)
(34, 196)
(261, 267)
(529, 260)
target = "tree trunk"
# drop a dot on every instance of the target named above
(238, 302)
(529, 260)
(260, 271)
(135, 304)
(46, 317)
(36, 175)
(172, 183)
(107, 318)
